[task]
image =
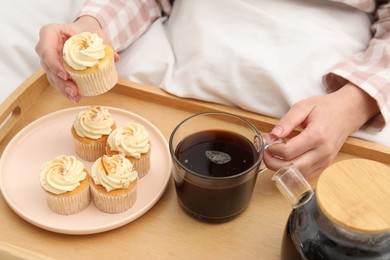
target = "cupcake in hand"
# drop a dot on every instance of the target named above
(66, 183)
(90, 130)
(90, 63)
(114, 184)
(131, 140)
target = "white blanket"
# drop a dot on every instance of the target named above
(262, 56)
(20, 22)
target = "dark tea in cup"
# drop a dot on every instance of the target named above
(216, 153)
(216, 162)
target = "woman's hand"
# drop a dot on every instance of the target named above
(327, 121)
(49, 48)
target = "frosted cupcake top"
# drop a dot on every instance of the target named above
(83, 50)
(93, 122)
(115, 172)
(130, 139)
(62, 174)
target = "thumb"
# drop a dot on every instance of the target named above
(295, 117)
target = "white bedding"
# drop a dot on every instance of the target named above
(192, 55)
(20, 22)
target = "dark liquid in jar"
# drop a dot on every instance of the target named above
(317, 238)
(216, 154)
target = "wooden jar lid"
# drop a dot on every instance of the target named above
(355, 194)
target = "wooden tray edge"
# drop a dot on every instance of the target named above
(8, 251)
(353, 146)
(20, 101)
(27, 94)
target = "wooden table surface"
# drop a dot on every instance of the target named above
(165, 231)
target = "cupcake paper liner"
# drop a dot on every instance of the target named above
(70, 204)
(113, 203)
(90, 151)
(141, 165)
(96, 83)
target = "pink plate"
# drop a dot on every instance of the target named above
(50, 136)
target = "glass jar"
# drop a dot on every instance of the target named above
(346, 217)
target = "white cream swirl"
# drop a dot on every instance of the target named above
(62, 174)
(130, 139)
(93, 122)
(83, 50)
(115, 172)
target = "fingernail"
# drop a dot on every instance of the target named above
(72, 98)
(277, 131)
(70, 91)
(62, 75)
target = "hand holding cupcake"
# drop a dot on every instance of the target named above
(90, 63)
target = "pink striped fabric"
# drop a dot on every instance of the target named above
(370, 69)
(125, 20)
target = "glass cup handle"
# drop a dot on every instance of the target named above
(269, 141)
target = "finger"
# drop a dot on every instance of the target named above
(274, 163)
(57, 83)
(49, 48)
(53, 60)
(306, 164)
(296, 146)
(43, 65)
(66, 88)
(295, 117)
(51, 81)
(309, 164)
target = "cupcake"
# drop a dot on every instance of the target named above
(66, 183)
(90, 130)
(113, 184)
(90, 63)
(132, 141)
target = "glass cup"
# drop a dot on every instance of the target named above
(216, 159)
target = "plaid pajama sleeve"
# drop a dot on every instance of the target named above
(370, 69)
(124, 20)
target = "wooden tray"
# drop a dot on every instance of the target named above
(165, 231)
